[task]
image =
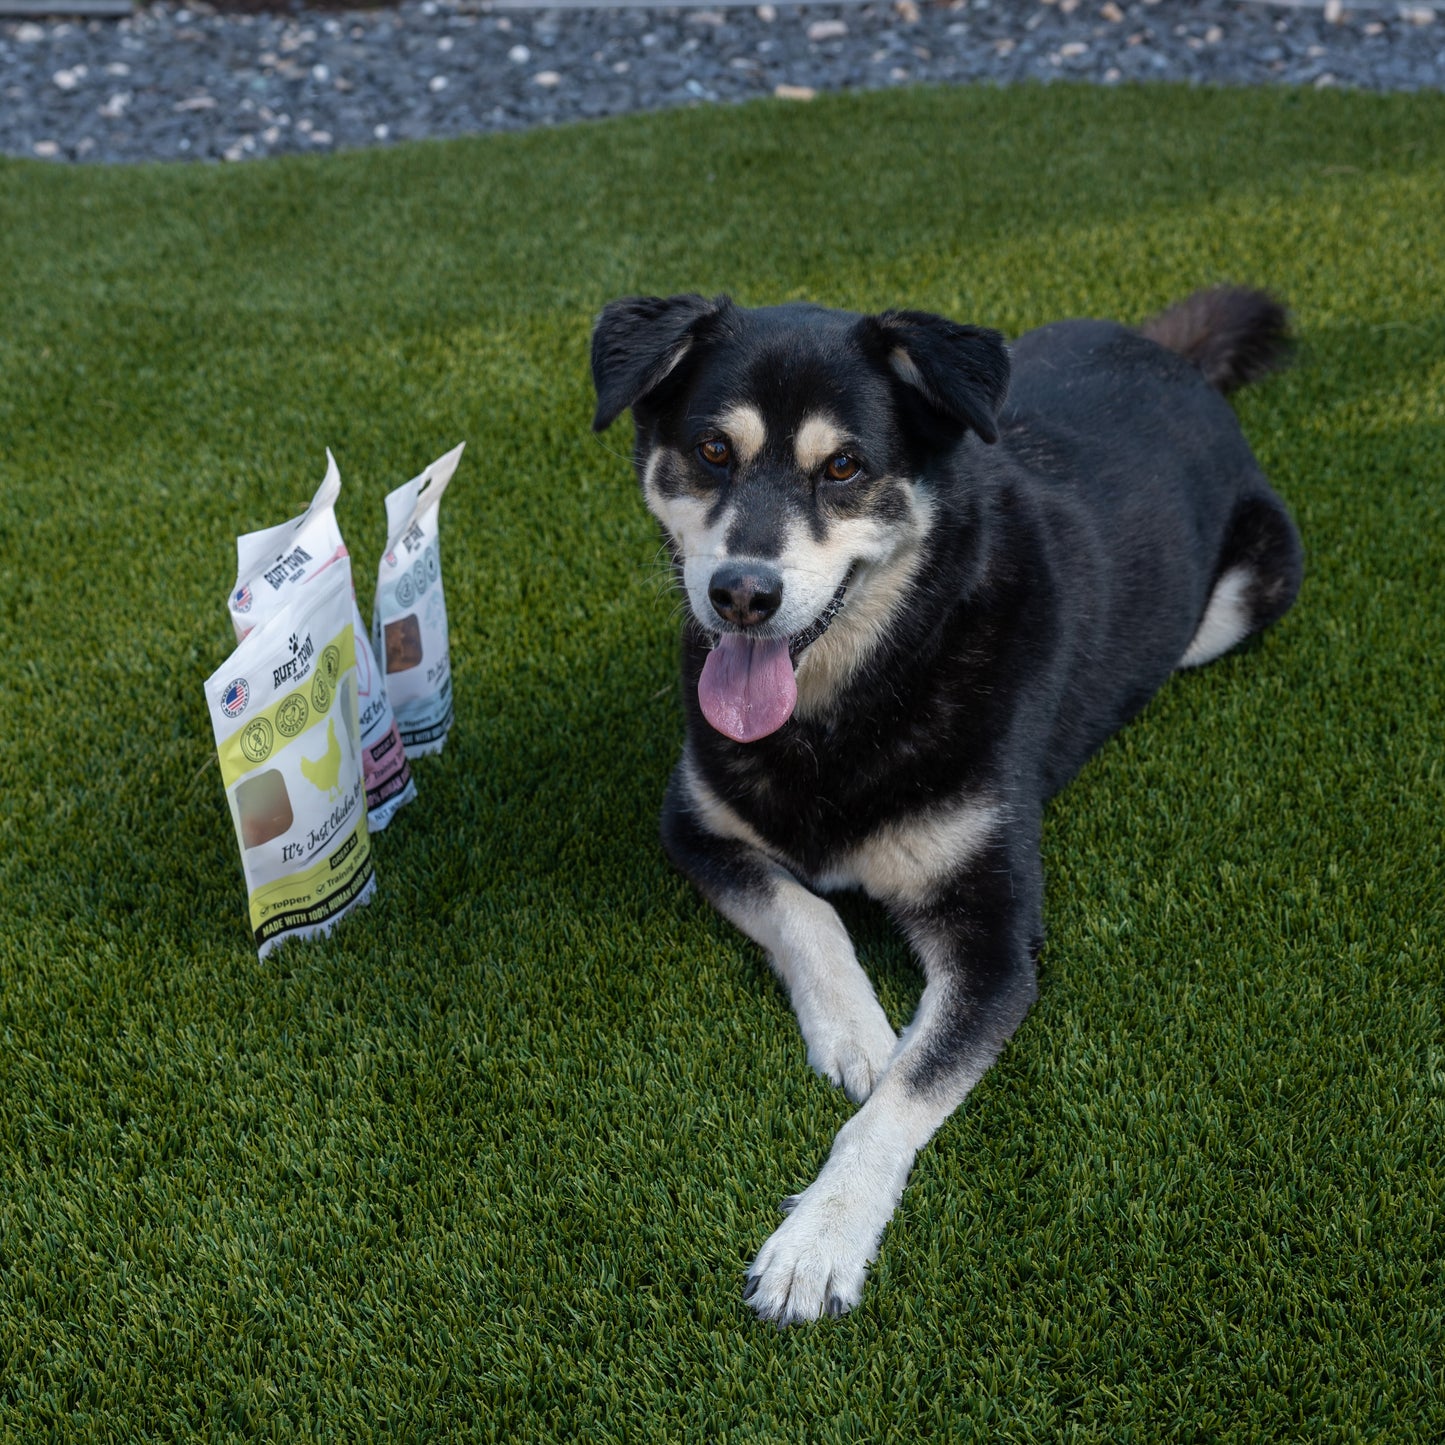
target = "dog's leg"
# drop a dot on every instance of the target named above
(848, 1035)
(1257, 578)
(977, 943)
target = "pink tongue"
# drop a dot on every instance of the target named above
(747, 689)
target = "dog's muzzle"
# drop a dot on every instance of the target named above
(747, 688)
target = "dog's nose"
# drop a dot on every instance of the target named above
(745, 594)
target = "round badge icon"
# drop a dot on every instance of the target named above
(419, 575)
(291, 715)
(405, 592)
(256, 740)
(321, 691)
(234, 698)
(330, 665)
(433, 567)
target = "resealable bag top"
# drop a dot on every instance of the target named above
(270, 565)
(286, 714)
(409, 627)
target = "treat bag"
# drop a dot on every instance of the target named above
(286, 714)
(270, 565)
(409, 627)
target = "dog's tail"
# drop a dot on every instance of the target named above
(1233, 335)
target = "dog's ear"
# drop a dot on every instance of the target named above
(638, 342)
(960, 371)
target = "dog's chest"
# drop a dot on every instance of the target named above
(896, 836)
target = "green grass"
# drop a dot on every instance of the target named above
(490, 1162)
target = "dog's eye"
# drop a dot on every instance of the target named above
(715, 452)
(843, 468)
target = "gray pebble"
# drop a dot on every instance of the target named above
(175, 82)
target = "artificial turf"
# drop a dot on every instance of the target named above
(489, 1163)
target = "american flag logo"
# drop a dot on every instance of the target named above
(235, 697)
(242, 600)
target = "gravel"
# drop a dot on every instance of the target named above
(187, 83)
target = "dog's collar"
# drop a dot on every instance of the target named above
(820, 624)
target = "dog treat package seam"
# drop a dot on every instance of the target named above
(409, 625)
(270, 565)
(285, 712)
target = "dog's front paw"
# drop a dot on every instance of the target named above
(852, 1050)
(851, 1046)
(814, 1263)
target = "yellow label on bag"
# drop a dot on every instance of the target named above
(271, 728)
(310, 898)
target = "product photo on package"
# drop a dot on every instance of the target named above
(409, 627)
(285, 711)
(270, 565)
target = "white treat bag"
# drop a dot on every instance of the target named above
(409, 627)
(270, 565)
(285, 710)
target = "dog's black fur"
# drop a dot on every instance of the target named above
(1063, 515)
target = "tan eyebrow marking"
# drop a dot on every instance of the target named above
(819, 438)
(745, 429)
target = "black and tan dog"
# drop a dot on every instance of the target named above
(926, 578)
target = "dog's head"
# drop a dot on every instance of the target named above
(788, 453)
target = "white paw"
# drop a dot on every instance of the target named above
(852, 1048)
(815, 1262)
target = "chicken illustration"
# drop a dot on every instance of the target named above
(324, 772)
